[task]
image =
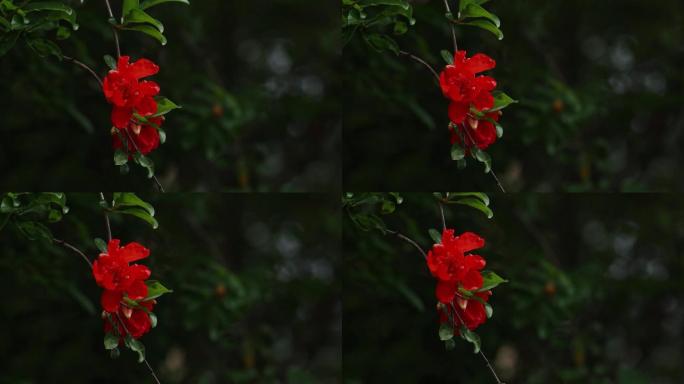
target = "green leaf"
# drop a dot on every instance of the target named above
(153, 319)
(128, 6)
(141, 214)
(479, 195)
(151, 3)
(446, 332)
(457, 152)
(137, 346)
(120, 157)
(490, 281)
(473, 10)
(435, 236)
(111, 340)
(128, 199)
(44, 47)
(447, 56)
(48, 6)
(146, 29)
(486, 25)
(484, 158)
(101, 245)
(165, 106)
(471, 337)
(155, 289)
(477, 204)
(34, 230)
(139, 16)
(110, 61)
(381, 43)
(501, 101)
(488, 310)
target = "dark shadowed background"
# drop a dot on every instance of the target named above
(256, 294)
(256, 81)
(595, 293)
(599, 85)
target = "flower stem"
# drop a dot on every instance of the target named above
(144, 359)
(71, 247)
(481, 353)
(106, 216)
(408, 240)
(498, 183)
(84, 66)
(425, 63)
(161, 188)
(453, 29)
(441, 211)
(116, 34)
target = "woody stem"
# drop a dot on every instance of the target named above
(425, 63)
(84, 66)
(71, 247)
(116, 34)
(408, 240)
(144, 359)
(103, 201)
(453, 29)
(135, 145)
(491, 369)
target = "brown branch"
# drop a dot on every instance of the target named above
(408, 240)
(489, 365)
(453, 29)
(425, 63)
(71, 247)
(84, 66)
(106, 216)
(161, 188)
(116, 34)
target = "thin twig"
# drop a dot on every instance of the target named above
(441, 211)
(144, 359)
(106, 216)
(161, 188)
(453, 28)
(481, 353)
(71, 247)
(491, 170)
(408, 240)
(84, 66)
(116, 34)
(425, 63)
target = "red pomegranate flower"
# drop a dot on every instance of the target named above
(143, 136)
(460, 84)
(134, 320)
(451, 266)
(481, 133)
(472, 312)
(114, 273)
(124, 89)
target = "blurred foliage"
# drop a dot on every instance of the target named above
(254, 82)
(595, 294)
(256, 293)
(599, 91)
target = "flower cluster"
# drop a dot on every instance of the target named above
(134, 107)
(459, 279)
(468, 91)
(125, 297)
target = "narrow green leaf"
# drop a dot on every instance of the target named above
(471, 337)
(101, 245)
(150, 31)
(490, 281)
(486, 25)
(151, 3)
(155, 289)
(111, 340)
(477, 204)
(165, 106)
(128, 6)
(475, 11)
(501, 101)
(141, 214)
(457, 152)
(129, 199)
(120, 157)
(447, 56)
(435, 236)
(48, 6)
(109, 60)
(139, 16)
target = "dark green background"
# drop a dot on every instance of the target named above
(615, 67)
(270, 67)
(595, 293)
(278, 321)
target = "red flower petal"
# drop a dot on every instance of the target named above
(458, 112)
(480, 62)
(146, 106)
(121, 116)
(110, 300)
(472, 280)
(469, 241)
(133, 252)
(445, 291)
(143, 68)
(149, 88)
(474, 262)
(137, 290)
